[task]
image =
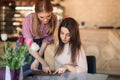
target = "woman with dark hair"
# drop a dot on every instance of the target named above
(38, 29)
(69, 54)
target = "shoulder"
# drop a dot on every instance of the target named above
(81, 50)
(29, 16)
(28, 19)
(55, 17)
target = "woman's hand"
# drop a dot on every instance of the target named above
(46, 68)
(35, 64)
(61, 70)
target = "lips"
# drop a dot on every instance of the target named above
(64, 41)
(45, 22)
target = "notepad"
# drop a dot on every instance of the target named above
(41, 73)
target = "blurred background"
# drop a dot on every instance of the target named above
(99, 23)
(88, 13)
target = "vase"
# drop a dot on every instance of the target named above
(13, 74)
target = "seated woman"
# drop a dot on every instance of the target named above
(69, 53)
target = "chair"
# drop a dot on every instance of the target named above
(91, 61)
(105, 27)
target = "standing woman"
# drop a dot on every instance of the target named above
(70, 54)
(38, 28)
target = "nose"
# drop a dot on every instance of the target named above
(45, 20)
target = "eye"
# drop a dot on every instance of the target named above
(48, 16)
(61, 33)
(41, 17)
(68, 35)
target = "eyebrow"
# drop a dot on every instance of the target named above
(46, 16)
(63, 32)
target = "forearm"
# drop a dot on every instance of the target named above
(71, 67)
(37, 55)
(42, 49)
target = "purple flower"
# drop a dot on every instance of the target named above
(21, 40)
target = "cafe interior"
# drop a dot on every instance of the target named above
(99, 26)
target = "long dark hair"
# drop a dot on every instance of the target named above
(75, 41)
(43, 6)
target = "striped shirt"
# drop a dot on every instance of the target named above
(28, 32)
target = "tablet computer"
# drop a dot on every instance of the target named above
(42, 73)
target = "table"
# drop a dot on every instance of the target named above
(64, 76)
(71, 76)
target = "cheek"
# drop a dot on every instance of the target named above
(61, 36)
(68, 38)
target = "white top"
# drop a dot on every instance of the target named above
(65, 58)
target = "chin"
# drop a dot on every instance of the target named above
(65, 42)
(45, 22)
